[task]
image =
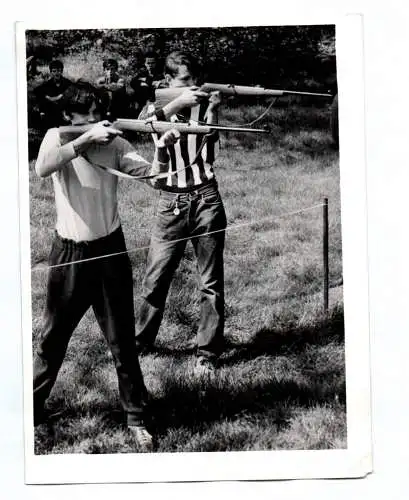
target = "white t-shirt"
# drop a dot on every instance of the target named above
(86, 195)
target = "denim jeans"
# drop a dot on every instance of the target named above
(179, 216)
(106, 285)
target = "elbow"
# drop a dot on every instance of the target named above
(41, 170)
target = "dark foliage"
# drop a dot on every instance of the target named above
(302, 57)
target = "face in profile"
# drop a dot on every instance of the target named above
(183, 78)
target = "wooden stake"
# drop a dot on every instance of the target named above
(325, 255)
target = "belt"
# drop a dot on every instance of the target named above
(91, 244)
(191, 194)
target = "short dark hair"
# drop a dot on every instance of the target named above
(56, 64)
(110, 63)
(176, 59)
(79, 97)
(150, 54)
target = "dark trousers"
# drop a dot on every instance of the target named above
(197, 212)
(106, 285)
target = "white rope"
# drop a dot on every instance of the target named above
(228, 228)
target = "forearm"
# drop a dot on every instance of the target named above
(133, 164)
(52, 159)
(170, 109)
(160, 165)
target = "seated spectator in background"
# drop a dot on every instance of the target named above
(148, 79)
(113, 85)
(31, 66)
(49, 96)
(153, 74)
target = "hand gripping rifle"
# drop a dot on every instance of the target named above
(69, 132)
(164, 96)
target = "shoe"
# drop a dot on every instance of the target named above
(141, 437)
(205, 366)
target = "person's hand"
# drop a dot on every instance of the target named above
(54, 98)
(215, 99)
(102, 133)
(191, 97)
(169, 138)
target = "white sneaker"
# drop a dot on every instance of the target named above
(141, 437)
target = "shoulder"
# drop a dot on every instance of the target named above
(52, 137)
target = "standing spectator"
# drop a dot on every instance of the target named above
(153, 75)
(114, 88)
(49, 96)
(148, 78)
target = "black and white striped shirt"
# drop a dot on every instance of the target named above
(184, 152)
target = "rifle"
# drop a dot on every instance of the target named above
(69, 132)
(164, 96)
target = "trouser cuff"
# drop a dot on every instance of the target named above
(135, 419)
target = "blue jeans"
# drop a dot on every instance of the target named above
(197, 212)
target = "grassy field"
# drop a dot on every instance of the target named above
(281, 384)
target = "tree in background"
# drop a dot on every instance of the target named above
(296, 56)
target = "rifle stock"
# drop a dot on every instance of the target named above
(69, 132)
(164, 96)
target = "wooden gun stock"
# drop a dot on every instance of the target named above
(70, 132)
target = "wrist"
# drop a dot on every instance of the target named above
(81, 144)
(160, 115)
(163, 155)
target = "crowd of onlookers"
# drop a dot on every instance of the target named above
(122, 97)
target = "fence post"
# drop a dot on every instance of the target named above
(325, 254)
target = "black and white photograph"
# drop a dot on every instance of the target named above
(185, 215)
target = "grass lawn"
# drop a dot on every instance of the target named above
(281, 383)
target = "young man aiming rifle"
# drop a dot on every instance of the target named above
(89, 264)
(190, 207)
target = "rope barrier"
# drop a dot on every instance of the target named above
(228, 228)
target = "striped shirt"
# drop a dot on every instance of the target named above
(185, 151)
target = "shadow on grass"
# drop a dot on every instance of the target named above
(289, 340)
(183, 405)
(185, 402)
(188, 407)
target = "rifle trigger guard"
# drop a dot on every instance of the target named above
(211, 134)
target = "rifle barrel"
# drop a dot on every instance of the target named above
(163, 96)
(254, 91)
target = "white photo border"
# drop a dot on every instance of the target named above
(356, 460)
